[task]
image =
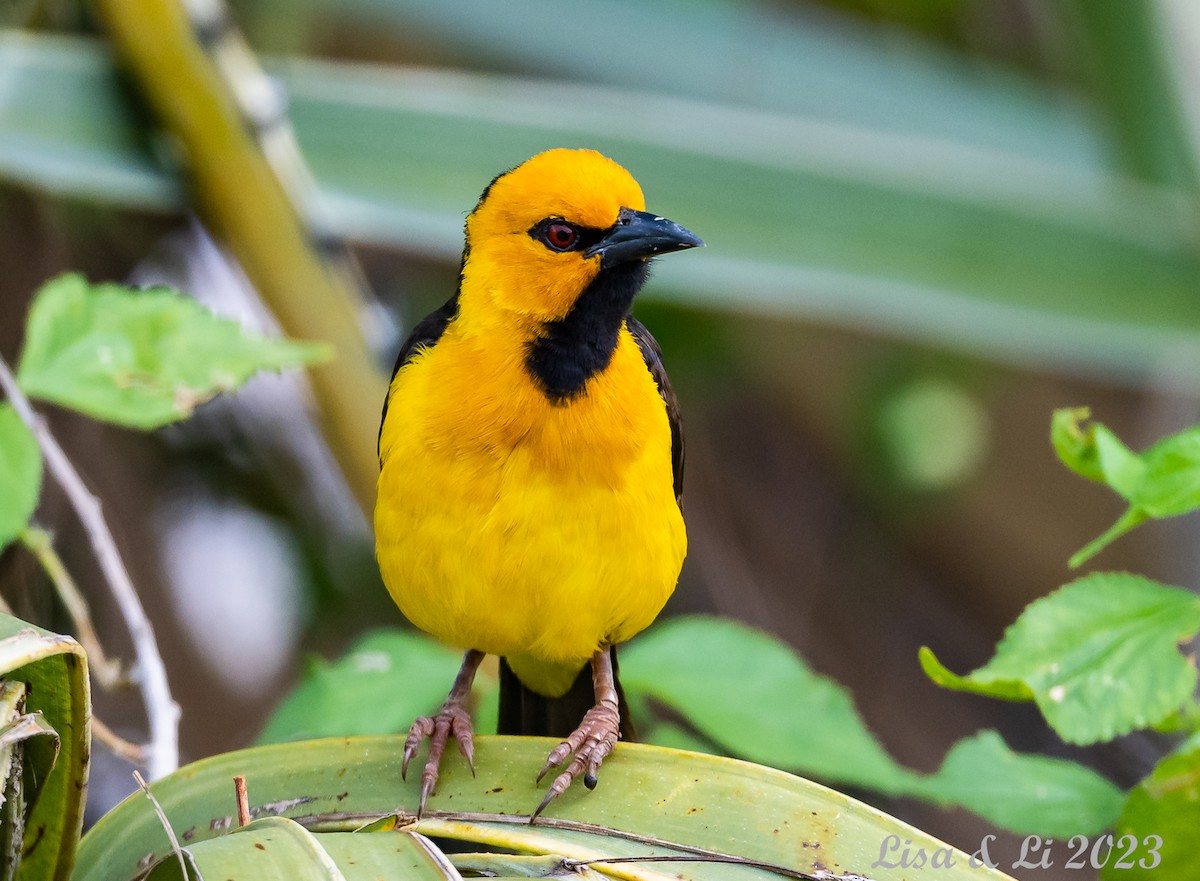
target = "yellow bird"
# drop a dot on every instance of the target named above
(531, 460)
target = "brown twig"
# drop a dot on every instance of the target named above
(242, 798)
(162, 712)
(130, 752)
(39, 543)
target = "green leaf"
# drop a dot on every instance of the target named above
(1100, 656)
(20, 474)
(52, 671)
(674, 736)
(1094, 452)
(755, 697)
(1162, 810)
(277, 847)
(1009, 690)
(141, 359)
(1171, 483)
(383, 682)
(1026, 794)
(1164, 481)
(649, 800)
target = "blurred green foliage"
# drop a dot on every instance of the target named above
(1163, 481)
(141, 359)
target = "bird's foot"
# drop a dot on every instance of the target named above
(591, 742)
(451, 719)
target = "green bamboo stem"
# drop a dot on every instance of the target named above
(242, 199)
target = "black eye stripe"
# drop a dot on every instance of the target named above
(585, 236)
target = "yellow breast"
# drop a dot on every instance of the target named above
(518, 527)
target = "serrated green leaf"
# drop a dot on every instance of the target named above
(1159, 822)
(383, 682)
(141, 359)
(723, 676)
(20, 474)
(1026, 794)
(1100, 656)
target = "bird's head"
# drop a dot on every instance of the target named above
(545, 231)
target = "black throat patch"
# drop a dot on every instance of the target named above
(580, 345)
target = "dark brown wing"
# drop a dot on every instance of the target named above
(652, 355)
(427, 332)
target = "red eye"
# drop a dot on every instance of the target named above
(560, 236)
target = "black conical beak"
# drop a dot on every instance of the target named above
(638, 235)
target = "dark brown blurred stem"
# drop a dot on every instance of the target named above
(241, 198)
(38, 542)
(162, 713)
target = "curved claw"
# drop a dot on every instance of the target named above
(591, 743)
(451, 719)
(421, 728)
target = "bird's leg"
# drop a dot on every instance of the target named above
(594, 738)
(452, 718)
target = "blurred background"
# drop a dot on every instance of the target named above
(928, 225)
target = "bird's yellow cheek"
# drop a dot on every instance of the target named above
(525, 277)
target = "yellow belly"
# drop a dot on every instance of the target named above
(519, 528)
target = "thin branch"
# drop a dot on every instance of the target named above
(162, 713)
(39, 543)
(130, 752)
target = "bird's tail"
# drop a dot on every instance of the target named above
(524, 711)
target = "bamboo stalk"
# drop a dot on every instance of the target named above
(240, 196)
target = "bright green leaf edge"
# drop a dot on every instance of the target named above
(1014, 674)
(55, 669)
(939, 674)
